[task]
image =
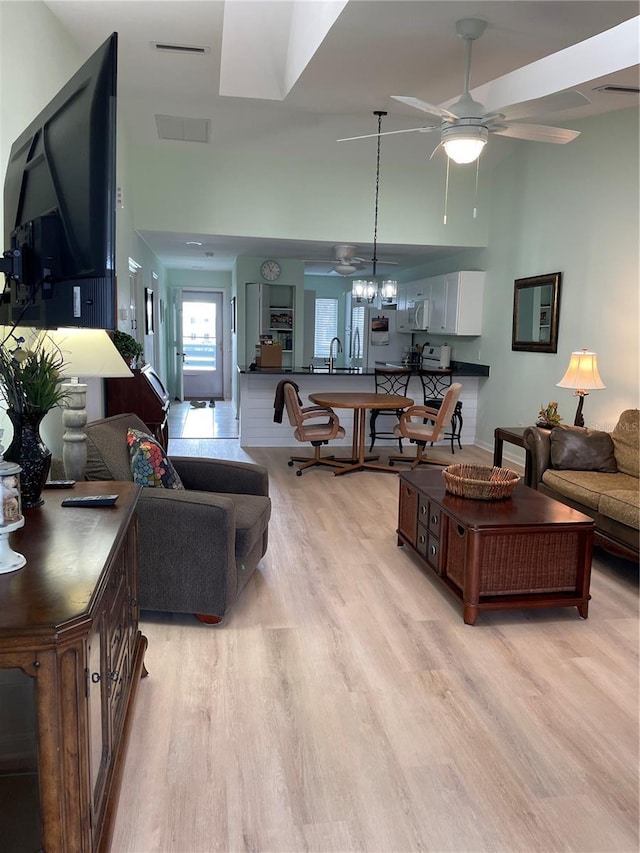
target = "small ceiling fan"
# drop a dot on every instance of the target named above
(345, 261)
(465, 126)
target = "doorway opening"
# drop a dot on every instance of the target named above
(202, 350)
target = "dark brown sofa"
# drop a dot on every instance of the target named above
(608, 490)
(197, 547)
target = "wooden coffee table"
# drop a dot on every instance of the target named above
(523, 552)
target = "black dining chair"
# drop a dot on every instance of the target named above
(389, 380)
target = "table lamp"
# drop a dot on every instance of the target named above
(87, 353)
(582, 375)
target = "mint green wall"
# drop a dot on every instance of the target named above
(570, 208)
(260, 188)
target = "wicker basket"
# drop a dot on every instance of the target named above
(480, 482)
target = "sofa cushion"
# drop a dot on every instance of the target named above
(587, 487)
(626, 441)
(149, 464)
(622, 505)
(577, 449)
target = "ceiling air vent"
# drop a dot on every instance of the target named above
(183, 129)
(167, 47)
(618, 90)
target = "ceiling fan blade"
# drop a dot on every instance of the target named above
(536, 133)
(595, 57)
(432, 109)
(391, 132)
(378, 260)
(540, 106)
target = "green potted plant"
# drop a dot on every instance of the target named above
(128, 347)
(31, 378)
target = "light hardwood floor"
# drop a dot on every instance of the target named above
(344, 705)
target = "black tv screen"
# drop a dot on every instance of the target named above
(59, 206)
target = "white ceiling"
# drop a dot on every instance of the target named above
(375, 48)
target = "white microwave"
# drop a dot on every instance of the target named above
(416, 317)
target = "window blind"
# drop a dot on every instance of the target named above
(326, 326)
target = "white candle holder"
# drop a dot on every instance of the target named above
(11, 517)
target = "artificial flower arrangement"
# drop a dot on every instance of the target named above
(31, 376)
(549, 417)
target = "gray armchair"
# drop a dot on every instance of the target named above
(197, 547)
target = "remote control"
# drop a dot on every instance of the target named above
(59, 484)
(91, 500)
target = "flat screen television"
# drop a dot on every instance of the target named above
(59, 206)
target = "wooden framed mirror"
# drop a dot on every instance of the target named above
(536, 308)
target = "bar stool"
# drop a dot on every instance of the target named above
(389, 380)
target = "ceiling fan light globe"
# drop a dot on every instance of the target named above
(344, 269)
(464, 144)
(464, 150)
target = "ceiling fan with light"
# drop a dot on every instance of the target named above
(345, 260)
(465, 125)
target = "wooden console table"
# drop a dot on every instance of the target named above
(71, 657)
(525, 551)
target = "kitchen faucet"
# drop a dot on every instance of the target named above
(332, 357)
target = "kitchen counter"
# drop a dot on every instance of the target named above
(257, 392)
(458, 368)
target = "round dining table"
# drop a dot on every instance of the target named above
(360, 402)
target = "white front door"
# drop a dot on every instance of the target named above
(202, 332)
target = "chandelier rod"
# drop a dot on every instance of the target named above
(378, 113)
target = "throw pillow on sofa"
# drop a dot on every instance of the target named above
(626, 440)
(578, 449)
(149, 463)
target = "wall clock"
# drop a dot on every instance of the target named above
(270, 270)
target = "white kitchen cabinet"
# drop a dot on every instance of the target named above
(456, 303)
(437, 297)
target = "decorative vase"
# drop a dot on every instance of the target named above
(30, 452)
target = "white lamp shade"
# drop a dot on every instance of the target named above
(88, 352)
(582, 373)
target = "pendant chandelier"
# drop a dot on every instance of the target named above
(370, 289)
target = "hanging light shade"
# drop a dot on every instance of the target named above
(362, 289)
(464, 144)
(388, 290)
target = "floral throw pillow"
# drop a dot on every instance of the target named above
(149, 464)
